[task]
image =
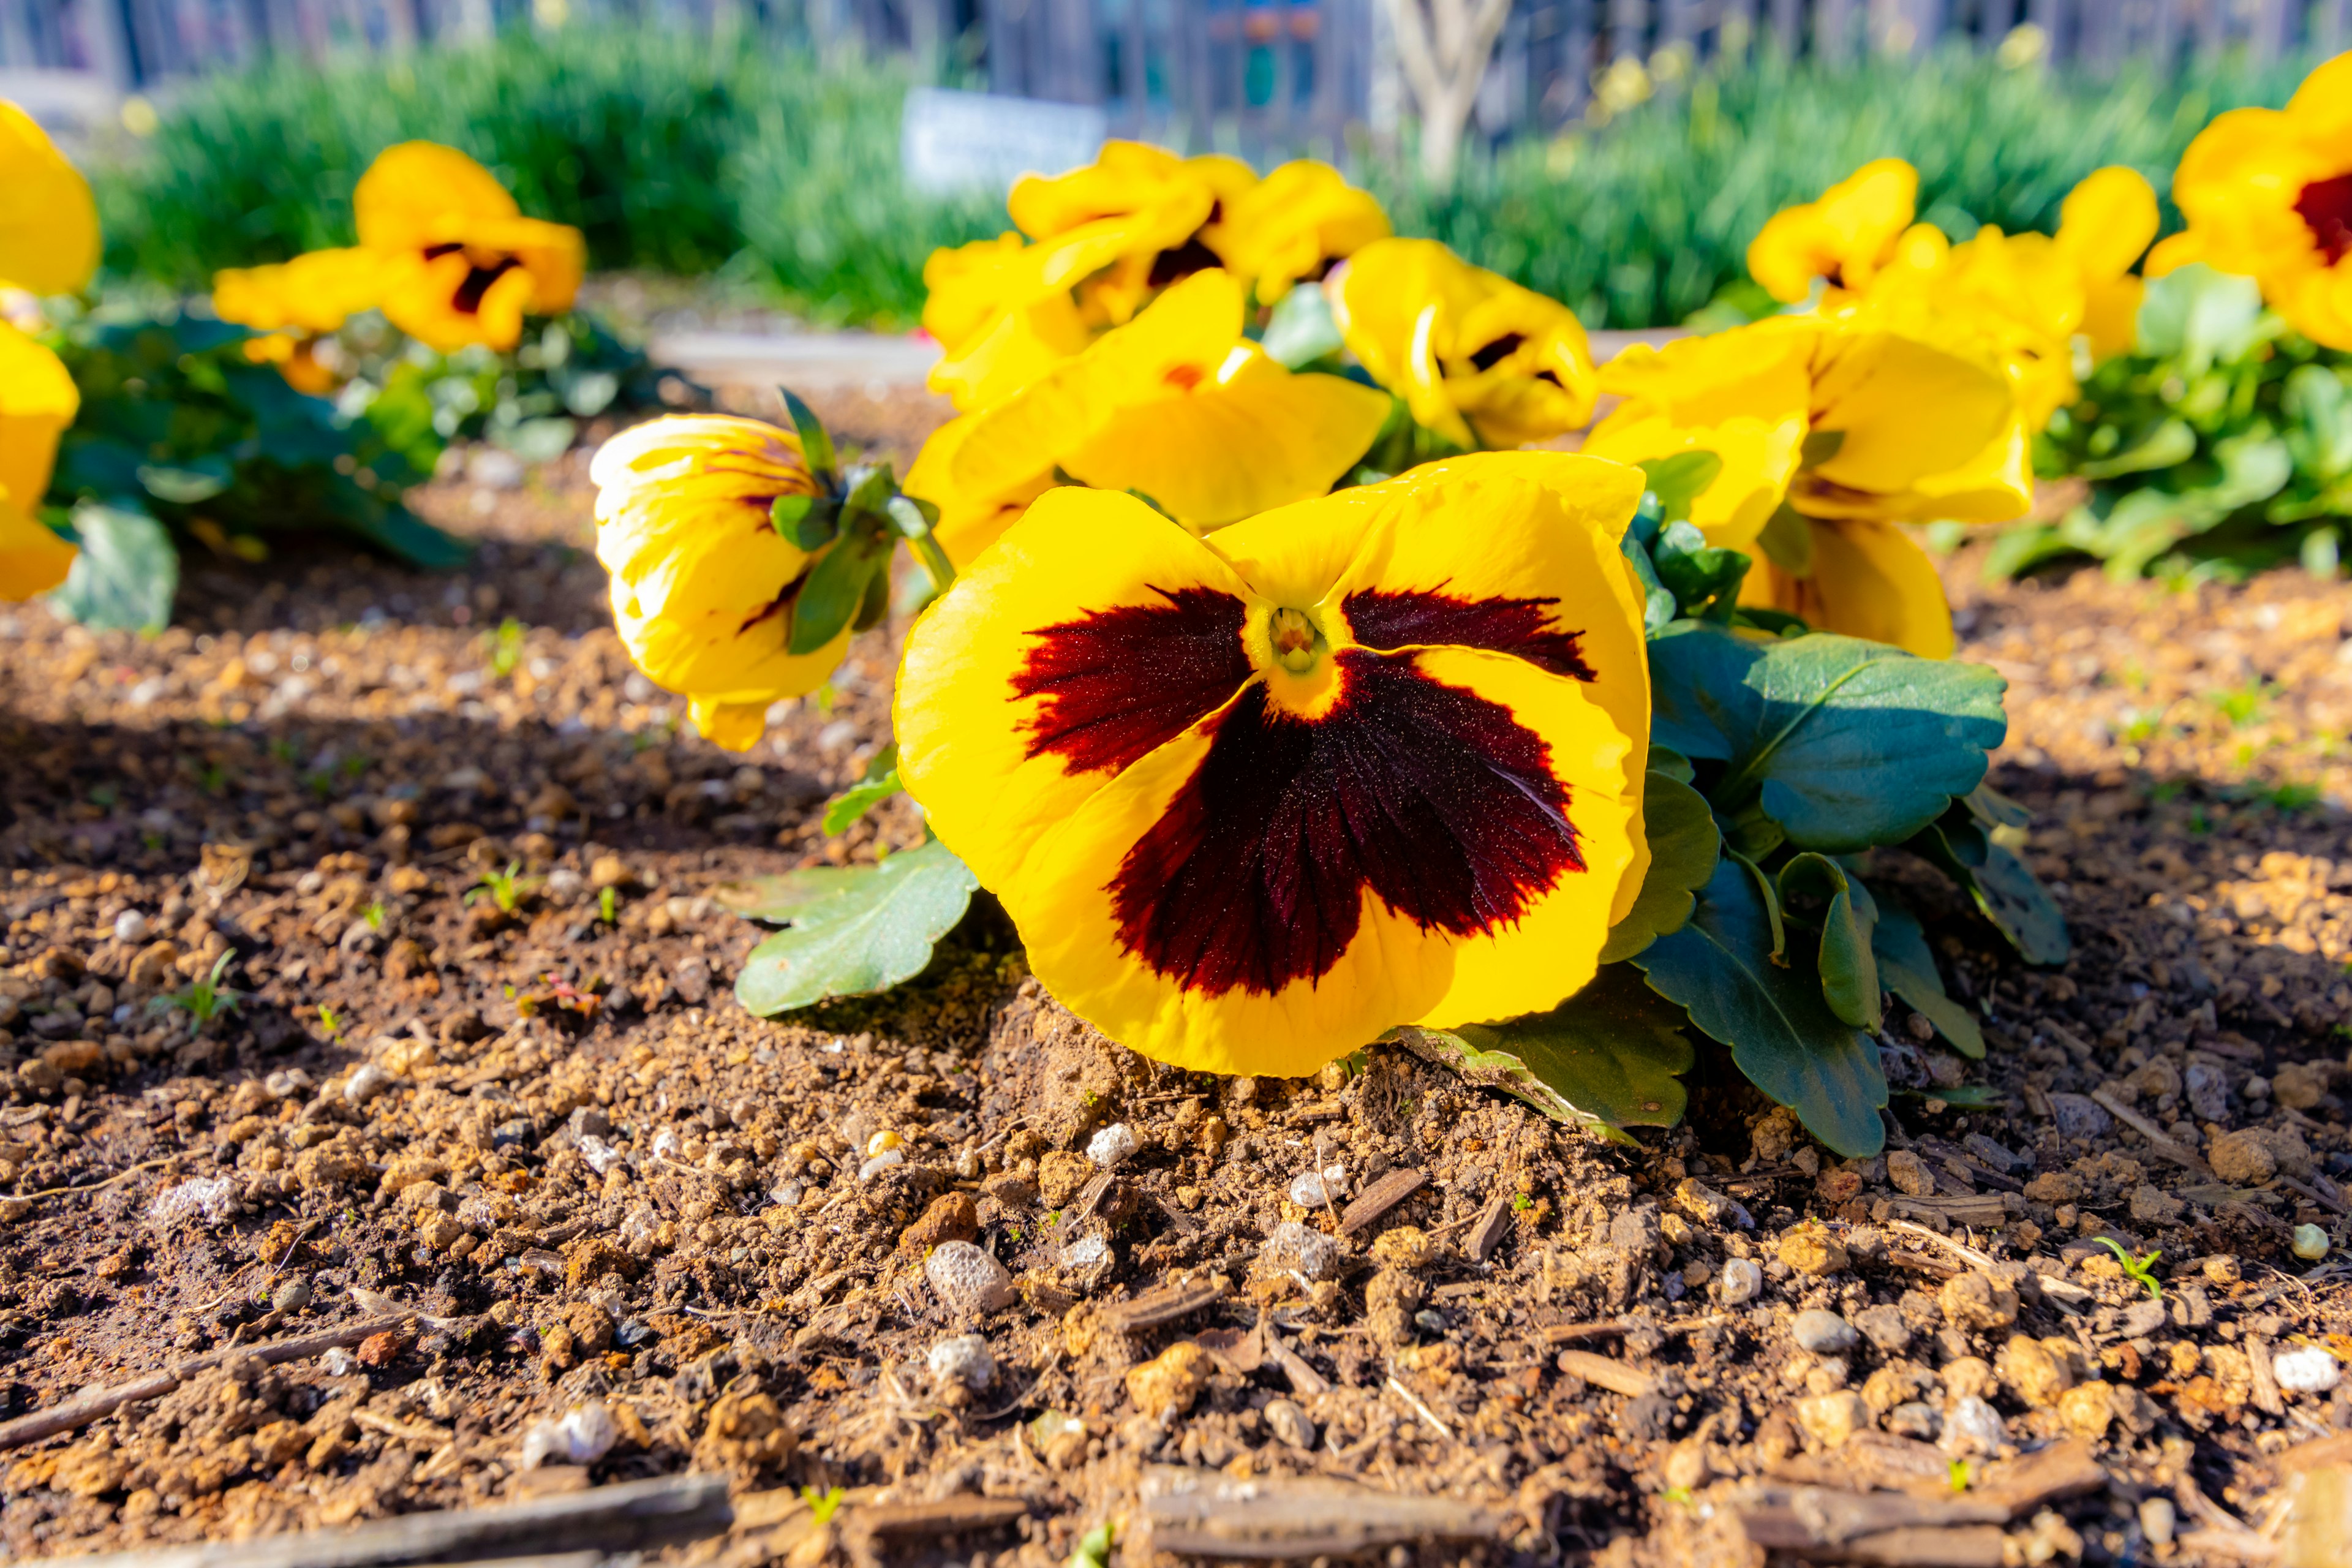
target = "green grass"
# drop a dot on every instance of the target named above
(677, 153)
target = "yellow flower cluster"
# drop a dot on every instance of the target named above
(48, 245)
(444, 251)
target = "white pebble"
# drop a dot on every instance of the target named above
(2158, 1521)
(131, 926)
(1972, 1427)
(1295, 1247)
(1823, 1333)
(1289, 1423)
(1741, 1279)
(1313, 1189)
(211, 1200)
(1086, 1252)
(580, 1435)
(1111, 1145)
(2310, 1243)
(365, 1084)
(967, 1280)
(601, 1156)
(964, 1359)
(881, 1162)
(2306, 1370)
(338, 1362)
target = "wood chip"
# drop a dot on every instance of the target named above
(2158, 1139)
(948, 1516)
(1208, 1514)
(2063, 1470)
(1487, 1234)
(1241, 1350)
(1381, 1197)
(1982, 1210)
(1613, 1375)
(1163, 1304)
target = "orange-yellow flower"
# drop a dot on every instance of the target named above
(2268, 194)
(1844, 237)
(1369, 760)
(48, 245)
(443, 250)
(1475, 357)
(703, 587)
(48, 220)
(1292, 226)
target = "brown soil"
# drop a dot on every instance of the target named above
(554, 1135)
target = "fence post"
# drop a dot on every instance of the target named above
(105, 33)
(2331, 26)
(1832, 29)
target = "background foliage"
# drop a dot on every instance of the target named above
(680, 153)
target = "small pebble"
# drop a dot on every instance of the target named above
(1972, 1427)
(1086, 1252)
(131, 926)
(292, 1294)
(881, 1162)
(2158, 1521)
(963, 1360)
(338, 1362)
(1111, 1145)
(1295, 1246)
(967, 1279)
(2306, 1370)
(2310, 1243)
(1823, 1333)
(1313, 1189)
(1741, 1279)
(1289, 1424)
(365, 1084)
(882, 1142)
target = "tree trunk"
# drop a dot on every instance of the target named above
(1443, 47)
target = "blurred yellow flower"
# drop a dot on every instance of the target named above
(2268, 194)
(1829, 432)
(443, 250)
(703, 587)
(1844, 237)
(2106, 226)
(1476, 358)
(48, 220)
(1176, 405)
(37, 401)
(1369, 760)
(1292, 226)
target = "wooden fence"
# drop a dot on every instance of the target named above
(1263, 72)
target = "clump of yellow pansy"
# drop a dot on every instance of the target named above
(48, 245)
(444, 251)
(2268, 194)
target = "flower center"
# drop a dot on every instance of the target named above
(2326, 208)
(1297, 640)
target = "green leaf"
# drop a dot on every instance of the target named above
(1781, 1031)
(126, 574)
(1684, 843)
(2003, 887)
(806, 523)
(1788, 540)
(1301, 329)
(1907, 968)
(855, 929)
(1673, 764)
(880, 783)
(1658, 606)
(2196, 315)
(2165, 444)
(816, 446)
(1849, 972)
(1680, 479)
(835, 591)
(185, 484)
(1612, 1053)
(1704, 580)
(1819, 446)
(1845, 742)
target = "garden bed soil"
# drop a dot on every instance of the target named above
(549, 1133)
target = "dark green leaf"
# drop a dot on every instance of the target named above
(1612, 1053)
(880, 783)
(2165, 444)
(806, 523)
(126, 574)
(2004, 888)
(1788, 541)
(1907, 969)
(1679, 479)
(877, 603)
(1845, 742)
(1301, 329)
(835, 591)
(1673, 764)
(1704, 580)
(1658, 606)
(1684, 843)
(1819, 446)
(855, 930)
(1849, 973)
(1781, 1031)
(816, 446)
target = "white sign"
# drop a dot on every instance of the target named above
(953, 141)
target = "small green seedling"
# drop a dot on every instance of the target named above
(822, 1504)
(506, 648)
(1094, 1548)
(203, 1000)
(505, 887)
(328, 1021)
(373, 915)
(608, 906)
(1521, 1203)
(2139, 1269)
(1956, 1478)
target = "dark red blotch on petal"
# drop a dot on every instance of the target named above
(1118, 683)
(1436, 799)
(2326, 208)
(1425, 617)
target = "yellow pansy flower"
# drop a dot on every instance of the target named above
(37, 401)
(703, 587)
(1829, 433)
(1843, 237)
(1292, 226)
(1176, 405)
(1475, 357)
(2268, 194)
(443, 250)
(48, 220)
(2106, 226)
(1357, 762)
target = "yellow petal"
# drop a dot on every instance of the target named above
(2175, 251)
(1868, 580)
(32, 559)
(1904, 410)
(2107, 221)
(2322, 107)
(730, 726)
(37, 401)
(1844, 236)
(969, 521)
(315, 292)
(2111, 315)
(1000, 747)
(1018, 347)
(48, 220)
(1255, 437)
(1126, 177)
(1291, 225)
(419, 194)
